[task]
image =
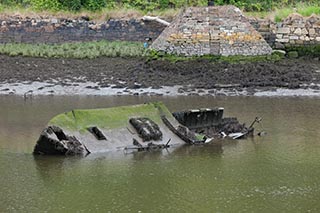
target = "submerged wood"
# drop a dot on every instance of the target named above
(53, 141)
(144, 127)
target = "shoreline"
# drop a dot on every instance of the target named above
(27, 76)
(31, 89)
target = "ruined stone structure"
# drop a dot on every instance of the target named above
(211, 31)
(295, 30)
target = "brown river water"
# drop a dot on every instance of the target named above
(278, 172)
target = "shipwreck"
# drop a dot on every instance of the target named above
(143, 127)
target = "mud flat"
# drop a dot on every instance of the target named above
(137, 76)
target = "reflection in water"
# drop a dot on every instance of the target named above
(205, 149)
(275, 173)
(53, 167)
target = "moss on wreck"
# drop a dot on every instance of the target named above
(109, 118)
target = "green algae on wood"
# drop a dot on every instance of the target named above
(110, 118)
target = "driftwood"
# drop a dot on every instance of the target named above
(157, 19)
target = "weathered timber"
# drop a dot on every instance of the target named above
(144, 127)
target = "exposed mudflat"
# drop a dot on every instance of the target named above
(109, 76)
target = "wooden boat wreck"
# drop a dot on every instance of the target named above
(142, 127)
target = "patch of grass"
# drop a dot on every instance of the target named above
(301, 8)
(309, 10)
(99, 16)
(119, 13)
(167, 14)
(312, 50)
(261, 15)
(281, 14)
(277, 12)
(154, 55)
(75, 50)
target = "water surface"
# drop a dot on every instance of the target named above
(275, 173)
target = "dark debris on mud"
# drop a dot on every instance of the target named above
(135, 73)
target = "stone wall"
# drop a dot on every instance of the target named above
(52, 30)
(222, 30)
(295, 30)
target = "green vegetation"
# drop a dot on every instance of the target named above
(75, 50)
(303, 9)
(282, 7)
(132, 49)
(293, 54)
(112, 49)
(154, 55)
(111, 118)
(312, 50)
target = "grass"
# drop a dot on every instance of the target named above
(236, 59)
(261, 15)
(99, 16)
(307, 11)
(277, 14)
(75, 50)
(302, 9)
(283, 13)
(313, 50)
(92, 50)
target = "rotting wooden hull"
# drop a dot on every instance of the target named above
(81, 132)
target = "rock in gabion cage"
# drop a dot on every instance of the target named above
(221, 30)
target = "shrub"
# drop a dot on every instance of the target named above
(94, 5)
(53, 5)
(73, 5)
(149, 5)
(11, 2)
(309, 10)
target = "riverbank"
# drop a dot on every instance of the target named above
(137, 76)
(275, 11)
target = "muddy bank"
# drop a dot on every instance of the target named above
(136, 74)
